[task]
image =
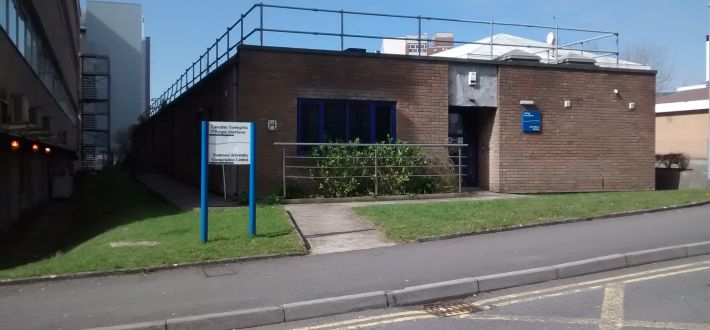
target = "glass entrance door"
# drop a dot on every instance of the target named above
(462, 129)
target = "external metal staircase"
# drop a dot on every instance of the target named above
(95, 112)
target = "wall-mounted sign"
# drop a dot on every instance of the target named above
(229, 143)
(531, 121)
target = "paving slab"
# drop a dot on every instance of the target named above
(331, 228)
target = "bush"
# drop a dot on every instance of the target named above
(674, 160)
(344, 171)
(339, 170)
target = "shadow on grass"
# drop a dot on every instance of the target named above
(100, 203)
(274, 234)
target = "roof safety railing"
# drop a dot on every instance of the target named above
(225, 46)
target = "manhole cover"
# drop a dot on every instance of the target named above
(451, 308)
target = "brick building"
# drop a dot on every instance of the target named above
(682, 122)
(597, 123)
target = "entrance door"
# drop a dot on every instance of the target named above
(462, 129)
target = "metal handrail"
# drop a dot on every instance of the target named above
(341, 144)
(210, 60)
(376, 166)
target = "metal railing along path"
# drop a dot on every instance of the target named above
(376, 166)
(225, 46)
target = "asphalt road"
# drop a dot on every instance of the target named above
(669, 295)
(115, 300)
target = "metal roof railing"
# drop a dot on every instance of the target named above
(236, 35)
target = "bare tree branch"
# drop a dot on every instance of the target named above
(655, 56)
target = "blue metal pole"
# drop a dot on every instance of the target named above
(203, 184)
(252, 180)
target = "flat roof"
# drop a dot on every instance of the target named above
(568, 66)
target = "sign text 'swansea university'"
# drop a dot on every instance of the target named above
(229, 143)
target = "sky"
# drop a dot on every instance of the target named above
(181, 30)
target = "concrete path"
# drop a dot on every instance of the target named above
(335, 227)
(94, 302)
(180, 194)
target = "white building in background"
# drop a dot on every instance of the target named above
(502, 44)
(116, 30)
(410, 45)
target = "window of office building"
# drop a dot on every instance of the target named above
(321, 121)
(12, 21)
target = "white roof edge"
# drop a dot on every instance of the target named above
(682, 106)
(691, 87)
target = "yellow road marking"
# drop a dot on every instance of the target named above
(612, 317)
(575, 285)
(536, 295)
(665, 275)
(667, 325)
(364, 319)
(551, 295)
(402, 319)
(537, 319)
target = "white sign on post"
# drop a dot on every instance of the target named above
(229, 143)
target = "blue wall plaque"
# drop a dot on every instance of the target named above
(532, 121)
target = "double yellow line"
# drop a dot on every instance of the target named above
(505, 300)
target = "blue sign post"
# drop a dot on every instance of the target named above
(227, 143)
(203, 183)
(252, 181)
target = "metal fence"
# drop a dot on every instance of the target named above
(298, 163)
(225, 46)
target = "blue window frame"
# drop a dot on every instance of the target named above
(320, 121)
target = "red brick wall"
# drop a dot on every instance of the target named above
(270, 83)
(596, 145)
(170, 140)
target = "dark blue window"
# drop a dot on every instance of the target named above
(322, 121)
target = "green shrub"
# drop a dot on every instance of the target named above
(344, 171)
(338, 169)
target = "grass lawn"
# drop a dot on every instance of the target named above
(113, 207)
(409, 222)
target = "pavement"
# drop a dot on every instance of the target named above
(180, 194)
(115, 300)
(667, 295)
(333, 228)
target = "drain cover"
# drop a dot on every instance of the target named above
(451, 308)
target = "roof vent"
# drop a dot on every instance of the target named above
(578, 59)
(518, 55)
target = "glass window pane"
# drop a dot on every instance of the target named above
(383, 123)
(12, 22)
(28, 45)
(334, 122)
(3, 14)
(21, 34)
(309, 122)
(360, 122)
